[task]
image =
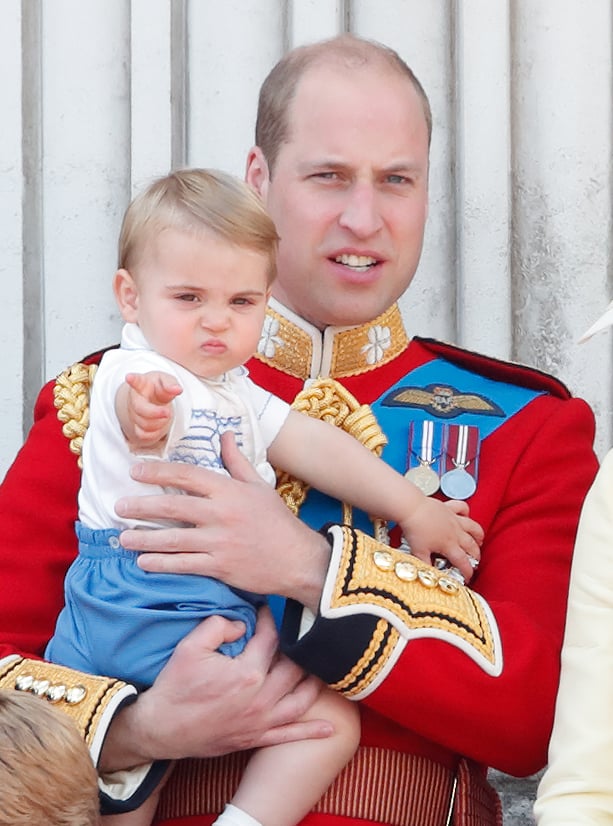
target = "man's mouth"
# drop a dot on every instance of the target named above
(358, 263)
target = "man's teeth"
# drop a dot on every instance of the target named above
(360, 262)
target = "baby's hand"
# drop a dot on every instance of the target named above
(444, 528)
(147, 400)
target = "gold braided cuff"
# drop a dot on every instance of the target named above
(412, 600)
(90, 701)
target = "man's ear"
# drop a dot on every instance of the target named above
(257, 174)
(126, 295)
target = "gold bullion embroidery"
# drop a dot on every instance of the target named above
(83, 697)
(419, 603)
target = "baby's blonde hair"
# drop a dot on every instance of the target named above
(47, 777)
(195, 201)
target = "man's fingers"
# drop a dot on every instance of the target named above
(237, 465)
(307, 730)
(212, 632)
(188, 478)
(262, 647)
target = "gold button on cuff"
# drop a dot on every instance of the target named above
(76, 694)
(383, 560)
(56, 693)
(406, 571)
(449, 586)
(428, 578)
(40, 687)
(24, 682)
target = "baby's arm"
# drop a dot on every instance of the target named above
(335, 463)
(144, 408)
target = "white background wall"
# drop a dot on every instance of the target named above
(98, 96)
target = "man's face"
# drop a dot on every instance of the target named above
(348, 194)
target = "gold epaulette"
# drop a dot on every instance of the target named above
(71, 398)
(90, 701)
(328, 400)
(412, 600)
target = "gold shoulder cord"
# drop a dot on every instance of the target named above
(328, 400)
(71, 398)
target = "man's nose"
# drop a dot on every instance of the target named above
(361, 213)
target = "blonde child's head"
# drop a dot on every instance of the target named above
(198, 201)
(46, 773)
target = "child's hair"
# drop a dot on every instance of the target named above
(46, 773)
(196, 201)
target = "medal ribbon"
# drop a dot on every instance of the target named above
(425, 448)
(462, 448)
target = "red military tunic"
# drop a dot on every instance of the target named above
(474, 677)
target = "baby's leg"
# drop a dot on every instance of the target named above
(281, 784)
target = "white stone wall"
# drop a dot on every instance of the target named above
(98, 96)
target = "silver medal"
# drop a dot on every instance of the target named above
(424, 478)
(458, 484)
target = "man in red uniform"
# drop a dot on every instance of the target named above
(450, 679)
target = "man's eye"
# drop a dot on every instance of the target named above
(326, 176)
(397, 179)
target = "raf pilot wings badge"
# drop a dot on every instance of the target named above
(442, 401)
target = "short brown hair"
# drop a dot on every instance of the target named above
(46, 773)
(279, 87)
(193, 200)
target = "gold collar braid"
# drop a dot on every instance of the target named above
(295, 347)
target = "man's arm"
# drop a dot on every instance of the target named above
(534, 474)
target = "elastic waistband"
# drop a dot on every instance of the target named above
(100, 543)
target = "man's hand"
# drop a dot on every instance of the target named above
(203, 703)
(242, 534)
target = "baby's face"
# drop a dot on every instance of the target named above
(201, 301)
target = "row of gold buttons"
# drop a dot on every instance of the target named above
(409, 572)
(53, 693)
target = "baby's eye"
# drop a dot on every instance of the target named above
(187, 297)
(241, 301)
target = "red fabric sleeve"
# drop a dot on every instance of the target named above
(534, 473)
(533, 479)
(38, 507)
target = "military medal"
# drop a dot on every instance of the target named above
(461, 455)
(424, 478)
(421, 450)
(458, 484)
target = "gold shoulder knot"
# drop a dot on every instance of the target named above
(328, 400)
(71, 398)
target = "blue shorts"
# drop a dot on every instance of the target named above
(123, 622)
